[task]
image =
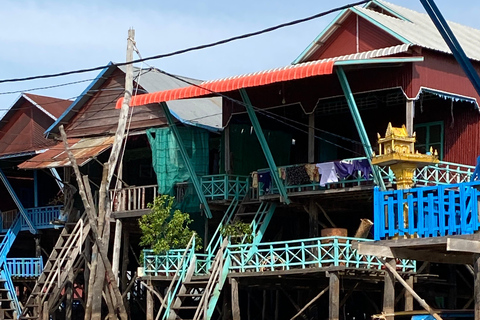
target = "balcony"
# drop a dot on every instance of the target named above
(25, 267)
(225, 186)
(132, 200)
(443, 173)
(41, 218)
(443, 210)
(292, 255)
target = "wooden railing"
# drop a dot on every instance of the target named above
(25, 267)
(41, 218)
(132, 198)
(427, 211)
(281, 255)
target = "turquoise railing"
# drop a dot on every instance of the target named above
(41, 218)
(25, 267)
(427, 211)
(282, 255)
(225, 186)
(443, 173)
(436, 174)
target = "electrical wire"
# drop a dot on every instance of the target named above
(195, 48)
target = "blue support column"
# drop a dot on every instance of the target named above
(452, 42)
(264, 145)
(359, 124)
(196, 182)
(17, 202)
(35, 188)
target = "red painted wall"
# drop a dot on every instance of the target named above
(343, 41)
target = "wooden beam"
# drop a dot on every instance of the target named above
(393, 271)
(226, 138)
(311, 137)
(235, 299)
(117, 244)
(476, 291)
(149, 314)
(408, 296)
(463, 245)
(334, 296)
(310, 303)
(389, 290)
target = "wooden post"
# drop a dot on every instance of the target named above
(389, 290)
(334, 296)
(476, 292)
(311, 137)
(408, 296)
(117, 241)
(226, 138)
(149, 301)
(363, 229)
(235, 300)
(38, 248)
(277, 303)
(69, 295)
(410, 114)
(313, 219)
(264, 303)
(452, 291)
(45, 311)
(125, 259)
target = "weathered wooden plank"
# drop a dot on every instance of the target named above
(235, 299)
(389, 290)
(463, 245)
(334, 297)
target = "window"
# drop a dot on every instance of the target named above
(429, 135)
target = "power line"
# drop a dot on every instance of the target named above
(46, 87)
(195, 48)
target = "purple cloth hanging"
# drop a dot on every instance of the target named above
(364, 167)
(344, 169)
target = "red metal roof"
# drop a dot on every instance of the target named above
(55, 106)
(83, 150)
(292, 72)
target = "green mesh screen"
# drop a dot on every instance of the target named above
(169, 165)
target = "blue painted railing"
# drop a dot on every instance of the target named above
(25, 267)
(427, 211)
(225, 186)
(441, 173)
(41, 218)
(270, 256)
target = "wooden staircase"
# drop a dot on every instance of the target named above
(197, 296)
(65, 256)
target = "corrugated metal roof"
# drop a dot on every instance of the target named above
(290, 72)
(287, 73)
(409, 26)
(206, 112)
(83, 149)
(422, 32)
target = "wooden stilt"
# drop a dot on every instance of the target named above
(476, 292)
(69, 295)
(313, 219)
(399, 278)
(389, 290)
(149, 302)
(311, 302)
(249, 305)
(264, 302)
(117, 241)
(235, 300)
(277, 303)
(408, 296)
(452, 291)
(45, 311)
(311, 138)
(334, 296)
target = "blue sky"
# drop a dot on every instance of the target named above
(51, 36)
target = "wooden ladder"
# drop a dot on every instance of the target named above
(65, 256)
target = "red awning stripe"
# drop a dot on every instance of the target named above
(293, 72)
